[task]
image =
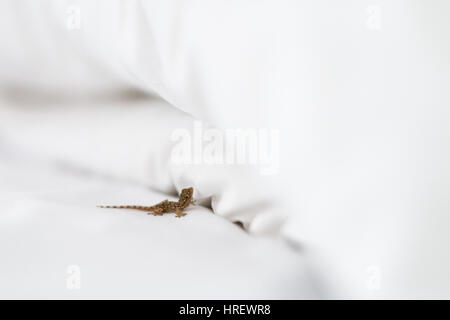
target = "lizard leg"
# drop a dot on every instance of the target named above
(179, 213)
(156, 212)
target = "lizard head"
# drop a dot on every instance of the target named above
(186, 195)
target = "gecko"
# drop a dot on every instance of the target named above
(165, 206)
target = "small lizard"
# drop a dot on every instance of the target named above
(165, 206)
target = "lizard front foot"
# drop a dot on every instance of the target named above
(179, 213)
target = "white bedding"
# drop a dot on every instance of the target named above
(49, 222)
(358, 93)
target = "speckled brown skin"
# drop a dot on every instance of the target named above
(165, 206)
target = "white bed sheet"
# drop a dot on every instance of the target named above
(49, 222)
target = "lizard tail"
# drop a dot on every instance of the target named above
(126, 207)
